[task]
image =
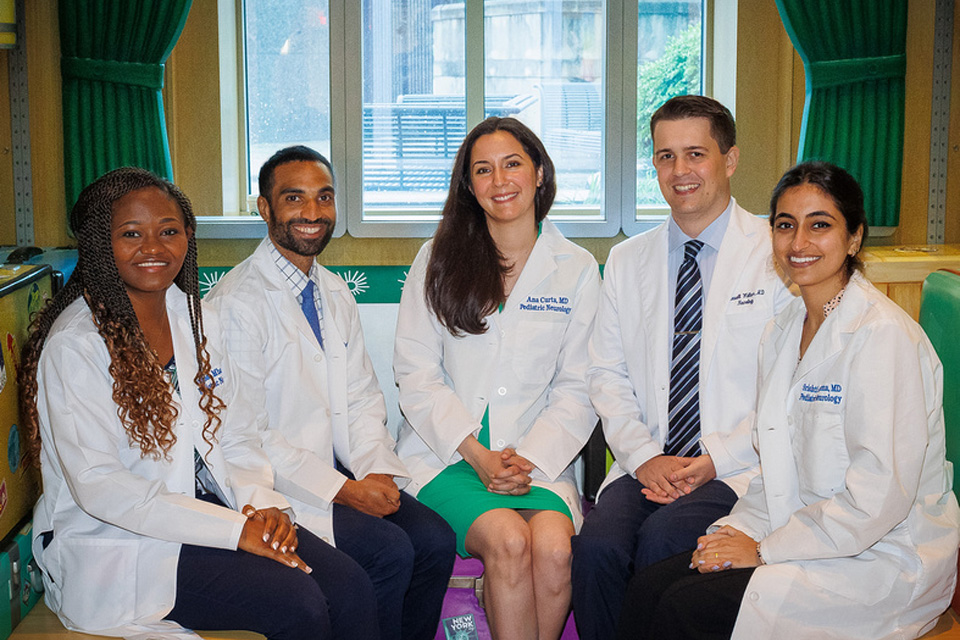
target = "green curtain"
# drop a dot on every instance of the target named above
(112, 68)
(854, 57)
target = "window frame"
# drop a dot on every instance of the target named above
(619, 209)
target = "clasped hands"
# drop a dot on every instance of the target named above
(666, 478)
(726, 548)
(504, 472)
(269, 533)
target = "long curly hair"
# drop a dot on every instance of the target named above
(143, 396)
(464, 280)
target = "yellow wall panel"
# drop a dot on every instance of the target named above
(46, 124)
(8, 220)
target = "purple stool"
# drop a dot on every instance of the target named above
(465, 595)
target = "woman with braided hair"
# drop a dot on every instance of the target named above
(158, 511)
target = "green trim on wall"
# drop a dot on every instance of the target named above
(369, 284)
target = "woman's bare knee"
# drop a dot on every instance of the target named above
(500, 536)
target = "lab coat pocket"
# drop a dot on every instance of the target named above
(821, 454)
(98, 581)
(536, 350)
(867, 578)
(738, 319)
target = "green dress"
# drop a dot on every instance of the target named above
(459, 496)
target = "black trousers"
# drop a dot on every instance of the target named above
(670, 601)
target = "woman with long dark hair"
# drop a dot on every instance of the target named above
(491, 356)
(158, 511)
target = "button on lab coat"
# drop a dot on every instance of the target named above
(853, 507)
(529, 367)
(119, 518)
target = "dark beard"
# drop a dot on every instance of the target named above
(283, 236)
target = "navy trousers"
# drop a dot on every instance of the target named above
(224, 589)
(624, 533)
(408, 556)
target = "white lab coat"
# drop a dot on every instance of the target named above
(119, 518)
(528, 367)
(853, 506)
(629, 374)
(285, 370)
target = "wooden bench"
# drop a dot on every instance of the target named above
(41, 623)
(948, 627)
(899, 271)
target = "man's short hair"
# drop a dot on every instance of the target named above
(298, 153)
(722, 127)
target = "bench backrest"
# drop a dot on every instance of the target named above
(940, 318)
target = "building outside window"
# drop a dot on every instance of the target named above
(550, 63)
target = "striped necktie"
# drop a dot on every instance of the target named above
(683, 437)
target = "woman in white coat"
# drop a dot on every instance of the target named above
(491, 357)
(158, 511)
(850, 531)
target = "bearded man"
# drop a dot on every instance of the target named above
(294, 329)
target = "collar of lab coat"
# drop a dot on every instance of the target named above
(833, 333)
(276, 288)
(192, 417)
(184, 350)
(549, 249)
(650, 274)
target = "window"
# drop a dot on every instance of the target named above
(543, 61)
(414, 105)
(389, 88)
(668, 64)
(287, 47)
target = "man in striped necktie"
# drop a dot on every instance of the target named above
(674, 363)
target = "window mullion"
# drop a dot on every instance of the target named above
(617, 139)
(233, 106)
(346, 110)
(474, 52)
(723, 68)
(628, 120)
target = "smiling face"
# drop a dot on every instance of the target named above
(504, 179)
(301, 211)
(149, 241)
(811, 242)
(693, 173)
